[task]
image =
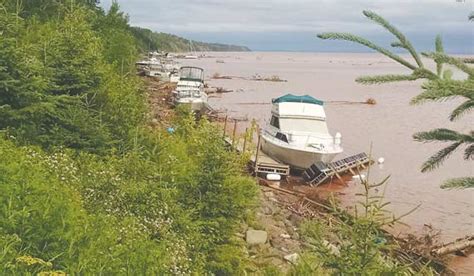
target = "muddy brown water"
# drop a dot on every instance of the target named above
(388, 126)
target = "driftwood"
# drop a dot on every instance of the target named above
(405, 255)
(453, 247)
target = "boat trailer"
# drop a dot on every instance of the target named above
(319, 172)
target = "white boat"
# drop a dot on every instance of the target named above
(190, 89)
(191, 57)
(166, 69)
(174, 77)
(297, 133)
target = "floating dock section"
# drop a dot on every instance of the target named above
(320, 172)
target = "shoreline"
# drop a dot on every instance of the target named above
(289, 185)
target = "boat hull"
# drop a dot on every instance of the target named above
(295, 158)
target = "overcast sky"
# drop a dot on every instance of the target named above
(291, 25)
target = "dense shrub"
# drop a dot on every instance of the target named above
(85, 185)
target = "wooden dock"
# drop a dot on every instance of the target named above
(260, 162)
(319, 172)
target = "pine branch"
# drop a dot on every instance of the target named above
(461, 110)
(405, 43)
(385, 78)
(469, 152)
(439, 49)
(457, 62)
(438, 158)
(365, 42)
(459, 183)
(438, 135)
(441, 90)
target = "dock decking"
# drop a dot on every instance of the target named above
(319, 172)
(261, 162)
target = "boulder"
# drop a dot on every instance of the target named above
(254, 237)
(292, 258)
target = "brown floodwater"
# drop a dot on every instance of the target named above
(388, 126)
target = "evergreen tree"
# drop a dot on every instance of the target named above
(438, 87)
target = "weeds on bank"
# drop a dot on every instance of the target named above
(356, 244)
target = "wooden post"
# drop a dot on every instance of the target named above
(225, 126)
(256, 154)
(245, 140)
(336, 173)
(233, 132)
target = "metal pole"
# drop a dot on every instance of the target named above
(225, 125)
(233, 132)
(258, 151)
(245, 140)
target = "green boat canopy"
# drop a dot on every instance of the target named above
(290, 98)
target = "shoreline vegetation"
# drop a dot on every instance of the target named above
(100, 176)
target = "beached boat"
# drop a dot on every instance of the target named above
(190, 88)
(297, 133)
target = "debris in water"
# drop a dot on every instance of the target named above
(273, 177)
(371, 101)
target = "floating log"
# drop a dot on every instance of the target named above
(453, 247)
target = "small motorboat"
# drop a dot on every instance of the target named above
(190, 88)
(297, 133)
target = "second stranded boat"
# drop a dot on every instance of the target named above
(297, 134)
(190, 89)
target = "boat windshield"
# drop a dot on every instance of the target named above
(303, 125)
(191, 73)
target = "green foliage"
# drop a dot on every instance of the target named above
(63, 84)
(86, 186)
(367, 43)
(438, 86)
(445, 135)
(43, 218)
(459, 183)
(309, 264)
(356, 245)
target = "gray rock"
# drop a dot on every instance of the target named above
(292, 258)
(267, 210)
(269, 194)
(295, 219)
(273, 199)
(254, 237)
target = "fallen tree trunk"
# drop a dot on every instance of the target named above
(455, 246)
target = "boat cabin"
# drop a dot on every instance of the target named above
(297, 133)
(296, 118)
